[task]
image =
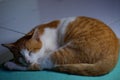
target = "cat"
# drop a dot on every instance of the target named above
(74, 45)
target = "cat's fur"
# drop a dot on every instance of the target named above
(76, 45)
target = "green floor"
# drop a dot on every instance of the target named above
(47, 75)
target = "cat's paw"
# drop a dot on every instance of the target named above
(34, 67)
(10, 65)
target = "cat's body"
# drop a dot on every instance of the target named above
(76, 45)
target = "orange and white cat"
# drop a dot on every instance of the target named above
(75, 45)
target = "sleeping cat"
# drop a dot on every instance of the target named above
(76, 45)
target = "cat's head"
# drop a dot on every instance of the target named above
(26, 47)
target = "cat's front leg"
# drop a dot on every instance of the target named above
(13, 66)
(34, 67)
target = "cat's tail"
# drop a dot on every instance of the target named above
(99, 68)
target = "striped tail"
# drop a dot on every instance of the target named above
(99, 68)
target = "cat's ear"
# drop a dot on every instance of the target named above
(35, 35)
(9, 46)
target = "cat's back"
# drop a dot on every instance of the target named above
(86, 26)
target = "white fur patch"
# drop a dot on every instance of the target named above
(45, 62)
(49, 41)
